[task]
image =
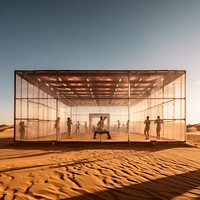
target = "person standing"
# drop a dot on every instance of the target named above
(147, 127)
(158, 123)
(127, 126)
(57, 127)
(118, 125)
(69, 125)
(86, 127)
(78, 127)
(22, 127)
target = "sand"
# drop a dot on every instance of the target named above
(99, 171)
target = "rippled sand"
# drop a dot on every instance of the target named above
(98, 171)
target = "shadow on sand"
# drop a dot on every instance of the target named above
(8, 143)
(163, 188)
(167, 187)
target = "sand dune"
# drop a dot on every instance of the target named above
(4, 127)
(98, 171)
(193, 127)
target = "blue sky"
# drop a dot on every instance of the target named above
(99, 34)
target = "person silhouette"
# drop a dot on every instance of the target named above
(127, 126)
(57, 127)
(86, 127)
(22, 131)
(69, 124)
(147, 127)
(158, 123)
(118, 125)
(78, 127)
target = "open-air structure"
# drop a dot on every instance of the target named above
(124, 97)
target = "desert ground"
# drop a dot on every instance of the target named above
(99, 171)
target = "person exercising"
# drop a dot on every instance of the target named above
(101, 128)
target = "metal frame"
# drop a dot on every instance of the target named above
(73, 88)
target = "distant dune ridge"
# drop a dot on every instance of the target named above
(193, 127)
(98, 171)
(193, 134)
(4, 127)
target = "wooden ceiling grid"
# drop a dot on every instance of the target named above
(99, 87)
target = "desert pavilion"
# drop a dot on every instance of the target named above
(125, 97)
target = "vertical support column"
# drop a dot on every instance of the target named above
(27, 107)
(76, 123)
(174, 99)
(56, 119)
(181, 106)
(21, 105)
(47, 120)
(129, 94)
(15, 85)
(163, 110)
(185, 105)
(38, 107)
(56, 122)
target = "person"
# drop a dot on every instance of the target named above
(57, 127)
(101, 128)
(77, 126)
(93, 128)
(147, 127)
(158, 123)
(22, 127)
(86, 128)
(127, 126)
(69, 124)
(118, 125)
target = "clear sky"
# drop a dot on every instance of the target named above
(99, 34)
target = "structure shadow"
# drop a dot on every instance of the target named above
(78, 146)
(47, 149)
(162, 188)
(6, 141)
